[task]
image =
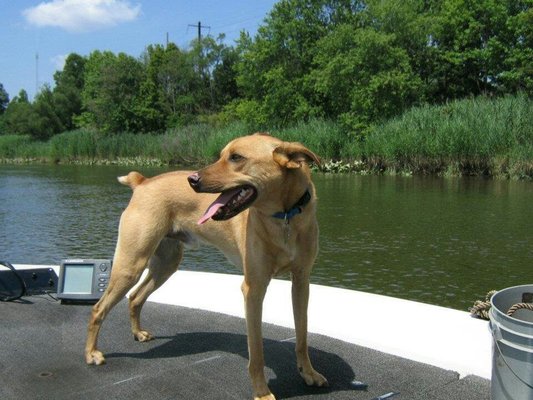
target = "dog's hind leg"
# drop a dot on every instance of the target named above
(161, 266)
(135, 246)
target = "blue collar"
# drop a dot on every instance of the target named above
(296, 209)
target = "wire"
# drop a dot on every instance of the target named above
(19, 279)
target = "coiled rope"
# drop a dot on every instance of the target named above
(481, 308)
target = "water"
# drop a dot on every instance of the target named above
(441, 241)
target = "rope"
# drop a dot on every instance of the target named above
(518, 306)
(481, 309)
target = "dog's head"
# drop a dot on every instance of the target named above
(253, 168)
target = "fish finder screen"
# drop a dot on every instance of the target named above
(78, 279)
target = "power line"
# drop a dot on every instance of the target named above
(227, 22)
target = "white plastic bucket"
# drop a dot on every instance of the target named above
(512, 350)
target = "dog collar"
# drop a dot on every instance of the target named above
(296, 209)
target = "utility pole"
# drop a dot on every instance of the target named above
(199, 26)
(36, 73)
(201, 61)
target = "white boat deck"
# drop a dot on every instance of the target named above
(438, 336)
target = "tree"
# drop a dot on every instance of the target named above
(67, 93)
(274, 66)
(468, 47)
(517, 69)
(46, 121)
(171, 84)
(411, 25)
(111, 92)
(20, 117)
(181, 85)
(4, 99)
(225, 78)
(363, 77)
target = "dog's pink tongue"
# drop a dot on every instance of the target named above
(219, 202)
(213, 208)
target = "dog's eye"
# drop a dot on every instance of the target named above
(236, 157)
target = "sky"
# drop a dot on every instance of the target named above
(36, 36)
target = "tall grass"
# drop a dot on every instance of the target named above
(480, 135)
(90, 145)
(475, 136)
(22, 148)
(325, 138)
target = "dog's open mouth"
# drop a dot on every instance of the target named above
(230, 203)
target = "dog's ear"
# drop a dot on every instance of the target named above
(292, 155)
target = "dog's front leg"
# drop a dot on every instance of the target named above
(254, 293)
(300, 301)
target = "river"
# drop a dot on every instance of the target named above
(437, 240)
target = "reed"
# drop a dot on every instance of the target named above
(325, 138)
(22, 148)
(474, 136)
(480, 136)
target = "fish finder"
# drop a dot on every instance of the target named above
(83, 280)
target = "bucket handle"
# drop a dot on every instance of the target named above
(497, 335)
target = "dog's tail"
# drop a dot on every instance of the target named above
(133, 179)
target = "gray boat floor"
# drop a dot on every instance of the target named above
(196, 355)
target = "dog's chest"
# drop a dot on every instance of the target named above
(284, 259)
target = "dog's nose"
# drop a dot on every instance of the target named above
(194, 180)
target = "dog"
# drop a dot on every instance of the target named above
(257, 204)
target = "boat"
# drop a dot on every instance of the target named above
(369, 346)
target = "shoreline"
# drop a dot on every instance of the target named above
(358, 167)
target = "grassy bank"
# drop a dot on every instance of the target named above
(480, 136)
(492, 137)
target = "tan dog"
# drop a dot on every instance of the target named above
(264, 221)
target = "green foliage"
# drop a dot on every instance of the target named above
(4, 99)
(274, 66)
(478, 43)
(517, 70)
(92, 146)
(111, 91)
(22, 148)
(167, 90)
(11, 145)
(326, 72)
(53, 110)
(326, 138)
(45, 122)
(363, 77)
(20, 117)
(68, 90)
(479, 135)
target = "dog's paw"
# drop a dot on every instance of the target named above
(313, 378)
(269, 396)
(95, 357)
(143, 336)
